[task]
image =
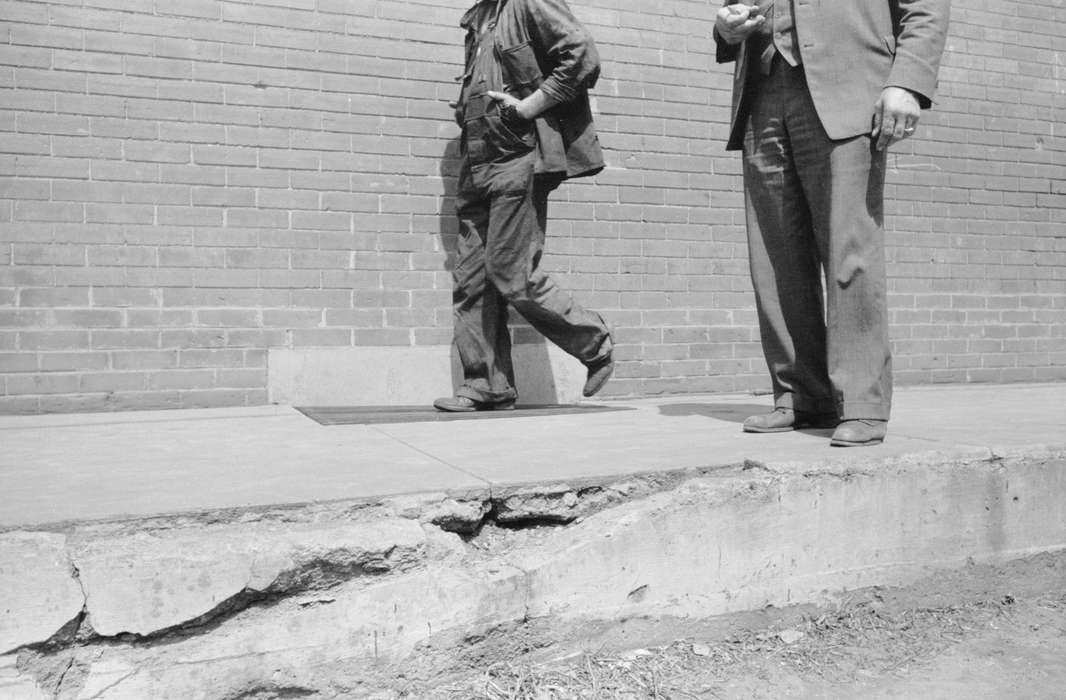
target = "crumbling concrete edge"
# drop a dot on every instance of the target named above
(266, 577)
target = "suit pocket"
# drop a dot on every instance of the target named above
(520, 69)
(890, 44)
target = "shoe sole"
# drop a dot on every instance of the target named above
(790, 428)
(475, 409)
(593, 389)
(849, 443)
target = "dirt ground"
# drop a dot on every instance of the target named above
(981, 632)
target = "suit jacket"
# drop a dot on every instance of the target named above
(540, 44)
(851, 50)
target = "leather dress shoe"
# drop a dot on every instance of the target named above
(599, 372)
(465, 404)
(782, 420)
(859, 433)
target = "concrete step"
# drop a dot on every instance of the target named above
(341, 597)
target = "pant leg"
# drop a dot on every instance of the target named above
(843, 182)
(514, 247)
(482, 338)
(783, 255)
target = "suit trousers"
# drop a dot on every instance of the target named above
(815, 213)
(502, 208)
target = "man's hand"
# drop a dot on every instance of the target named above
(896, 115)
(529, 108)
(735, 23)
(503, 100)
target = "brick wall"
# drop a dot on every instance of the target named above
(185, 184)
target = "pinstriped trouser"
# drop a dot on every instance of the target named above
(814, 208)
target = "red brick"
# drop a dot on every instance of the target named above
(144, 359)
(49, 211)
(87, 318)
(18, 362)
(119, 213)
(181, 379)
(52, 297)
(53, 340)
(51, 383)
(112, 381)
(321, 337)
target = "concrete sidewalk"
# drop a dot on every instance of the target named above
(60, 469)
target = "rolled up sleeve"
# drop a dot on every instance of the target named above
(573, 60)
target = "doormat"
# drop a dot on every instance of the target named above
(370, 415)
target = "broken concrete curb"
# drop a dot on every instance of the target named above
(148, 582)
(38, 590)
(716, 544)
(17, 685)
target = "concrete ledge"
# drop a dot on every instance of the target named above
(400, 375)
(269, 606)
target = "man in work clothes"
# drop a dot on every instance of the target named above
(820, 91)
(527, 126)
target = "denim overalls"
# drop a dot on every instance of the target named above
(502, 208)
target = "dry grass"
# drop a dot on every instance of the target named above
(860, 638)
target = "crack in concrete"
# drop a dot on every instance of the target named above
(63, 676)
(286, 585)
(108, 687)
(319, 573)
(275, 692)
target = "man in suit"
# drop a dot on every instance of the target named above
(527, 126)
(821, 90)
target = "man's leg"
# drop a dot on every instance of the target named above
(480, 313)
(785, 265)
(859, 355)
(844, 185)
(514, 247)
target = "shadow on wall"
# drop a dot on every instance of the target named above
(534, 373)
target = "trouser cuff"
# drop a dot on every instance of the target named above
(483, 396)
(804, 404)
(859, 410)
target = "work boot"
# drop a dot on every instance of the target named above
(599, 372)
(862, 432)
(465, 404)
(782, 420)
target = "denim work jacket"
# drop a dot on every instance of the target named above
(540, 44)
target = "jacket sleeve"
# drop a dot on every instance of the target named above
(573, 62)
(724, 52)
(922, 31)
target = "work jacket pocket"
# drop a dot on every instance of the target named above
(521, 72)
(510, 139)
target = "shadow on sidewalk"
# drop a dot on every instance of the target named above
(732, 412)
